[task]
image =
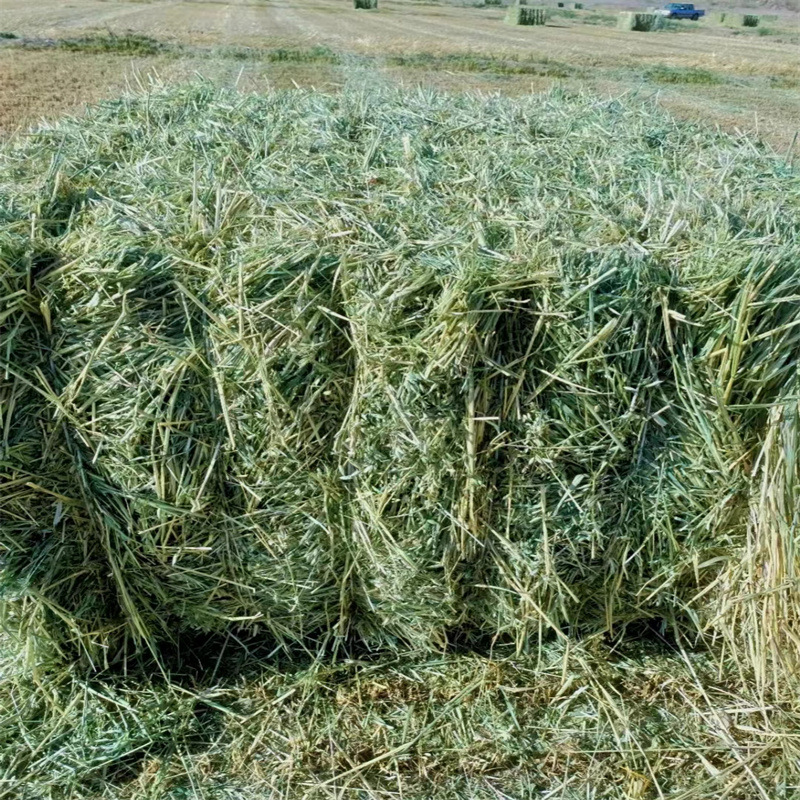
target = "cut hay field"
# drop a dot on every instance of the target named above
(397, 404)
(742, 79)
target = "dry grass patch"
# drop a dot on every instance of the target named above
(39, 85)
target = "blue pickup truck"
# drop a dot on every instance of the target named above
(681, 11)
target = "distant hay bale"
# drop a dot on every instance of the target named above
(493, 2)
(520, 15)
(366, 4)
(560, 5)
(735, 20)
(639, 21)
(577, 6)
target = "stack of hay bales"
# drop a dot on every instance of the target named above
(365, 4)
(521, 15)
(639, 21)
(297, 376)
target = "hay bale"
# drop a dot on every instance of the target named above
(750, 20)
(638, 21)
(519, 15)
(244, 387)
(365, 4)
(493, 2)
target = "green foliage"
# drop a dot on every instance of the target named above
(477, 62)
(129, 44)
(316, 54)
(8, 35)
(688, 75)
(750, 21)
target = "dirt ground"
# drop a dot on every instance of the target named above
(746, 79)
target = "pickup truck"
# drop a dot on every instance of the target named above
(681, 11)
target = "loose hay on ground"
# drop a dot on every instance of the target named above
(585, 719)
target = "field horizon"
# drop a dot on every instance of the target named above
(740, 79)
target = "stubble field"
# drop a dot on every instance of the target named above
(741, 79)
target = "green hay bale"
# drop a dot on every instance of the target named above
(493, 2)
(576, 6)
(736, 20)
(636, 21)
(518, 15)
(365, 4)
(297, 376)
